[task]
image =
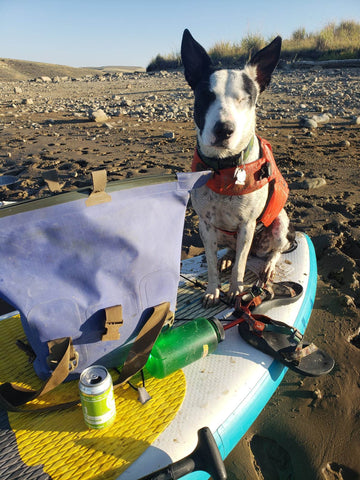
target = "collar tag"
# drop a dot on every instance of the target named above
(240, 176)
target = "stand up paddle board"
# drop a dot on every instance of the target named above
(224, 391)
(228, 389)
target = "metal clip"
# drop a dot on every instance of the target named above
(297, 336)
(256, 291)
(74, 361)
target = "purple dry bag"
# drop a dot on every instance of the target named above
(90, 268)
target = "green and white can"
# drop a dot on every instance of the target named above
(97, 397)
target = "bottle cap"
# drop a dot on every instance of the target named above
(218, 326)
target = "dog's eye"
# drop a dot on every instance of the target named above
(240, 99)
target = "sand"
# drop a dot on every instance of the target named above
(311, 426)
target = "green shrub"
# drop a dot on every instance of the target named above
(332, 42)
(252, 44)
(169, 62)
(299, 35)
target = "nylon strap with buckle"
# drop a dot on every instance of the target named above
(63, 357)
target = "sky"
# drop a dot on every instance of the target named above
(83, 33)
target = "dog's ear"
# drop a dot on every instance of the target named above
(265, 61)
(194, 58)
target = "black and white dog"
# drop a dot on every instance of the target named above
(242, 205)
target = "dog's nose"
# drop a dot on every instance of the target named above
(223, 131)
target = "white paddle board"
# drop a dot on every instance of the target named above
(228, 389)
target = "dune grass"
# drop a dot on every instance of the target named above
(333, 42)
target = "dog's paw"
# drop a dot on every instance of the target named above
(233, 292)
(211, 297)
(226, 262)
(267, 274)
(268, 271)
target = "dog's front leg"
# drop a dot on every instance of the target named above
(208, 236)
(243, 244)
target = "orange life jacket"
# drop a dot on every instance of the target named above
(258, 173)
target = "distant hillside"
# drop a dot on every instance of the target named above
(11, 70)
(116, 68)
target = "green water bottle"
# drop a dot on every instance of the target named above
(180, 346)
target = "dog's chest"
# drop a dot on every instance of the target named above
(228, 212)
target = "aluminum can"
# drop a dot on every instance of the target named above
(97, 397)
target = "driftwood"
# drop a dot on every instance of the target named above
(348, 63)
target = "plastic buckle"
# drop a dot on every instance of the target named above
(258, 326)
(269, 169)
(297, 336)
(256, 291)
(74, 360)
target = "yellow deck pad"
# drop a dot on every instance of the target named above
(61, 442)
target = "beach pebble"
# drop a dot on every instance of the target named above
(98, 116)
(317, 393)
(323, 118)
(17, 90)
(307, 122)
(349, 301)
(169, 135)
(309, 183)
(345, 143)
(44, 79)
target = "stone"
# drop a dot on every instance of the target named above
(309, 183)
(169, 135)
(307, 122)
(98, 116)
(323, 118)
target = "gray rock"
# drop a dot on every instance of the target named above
(310, 183)
(98, 116)
(45, 79)
(169, 135)
(307, 122)
(323, 118)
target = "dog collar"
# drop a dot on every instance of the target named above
(258, 173)
(227, 162)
